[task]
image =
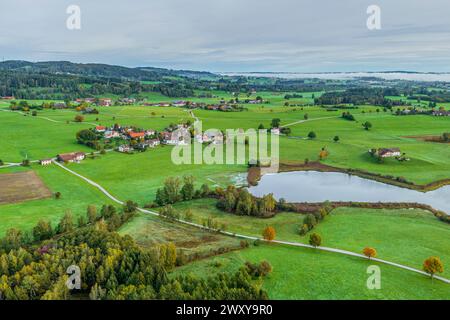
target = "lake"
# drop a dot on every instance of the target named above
(415, 76)
(313, 186)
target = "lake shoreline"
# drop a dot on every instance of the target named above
(254, 175)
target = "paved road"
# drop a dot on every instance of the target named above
(294, 244)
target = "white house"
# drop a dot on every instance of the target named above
(45, 162)
(275, 131)
(124, 148)
(111, 134)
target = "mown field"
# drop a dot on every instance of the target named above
(308, 274)
(404, 236)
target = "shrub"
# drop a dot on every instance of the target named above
(269, 233)
(315, 240)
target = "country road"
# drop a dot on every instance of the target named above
(294, 244)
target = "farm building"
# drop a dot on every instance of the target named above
(45, 162)
(124, 148)
(275, 131)
(105, 102)
(100, 129)
(389, 152)
(136, 135)
(71, 157)
(441, 113)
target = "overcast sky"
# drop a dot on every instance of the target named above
(232, 35)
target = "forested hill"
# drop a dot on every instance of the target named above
(99, 70)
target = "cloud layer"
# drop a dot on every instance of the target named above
(232, 35)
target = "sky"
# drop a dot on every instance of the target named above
(232, 35)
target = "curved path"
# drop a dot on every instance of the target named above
(294, 244)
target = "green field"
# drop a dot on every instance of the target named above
(403, 236)
(307, 274)
(75, 196)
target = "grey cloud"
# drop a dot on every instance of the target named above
(232, 35)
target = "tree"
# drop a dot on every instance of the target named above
(261, 126)
(312, 135)
(275, 123)
(78, 118)
(306, 116)
(66, 223)
(367, 125)
(310, 220)
(86, 136)
(370, 252)
(130, 207)
(12, 240)
(188, 189)
(433, 265)
(269, 233)
(91, 213)
(57, 195)
(315, 240)
(42, 231)
(336, 139)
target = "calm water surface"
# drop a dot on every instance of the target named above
(313, 186)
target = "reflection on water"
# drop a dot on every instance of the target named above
(313, 186)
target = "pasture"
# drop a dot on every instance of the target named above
(403, 236)
(307, 274)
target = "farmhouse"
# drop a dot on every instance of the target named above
(111, 134)
(45, 162)
(71, 157)
(152, 142)
(105, 102)
(100, 129)
(170, 138)
(124, 148)
(179, 103)
(441, 113)
(211, 136)
(127, 101)
(389, 152)
(275, 131)
(136, 135)
(8, 98)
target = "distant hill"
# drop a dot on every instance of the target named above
(100, 70)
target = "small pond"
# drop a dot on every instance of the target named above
(313, 186)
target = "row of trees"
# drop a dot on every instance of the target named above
(108, 216)
(241, 202)
(176, 189)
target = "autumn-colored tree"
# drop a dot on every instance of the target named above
(370, 252)
(269, 233)
(433, 265)
(315, 240)
(79, 118)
